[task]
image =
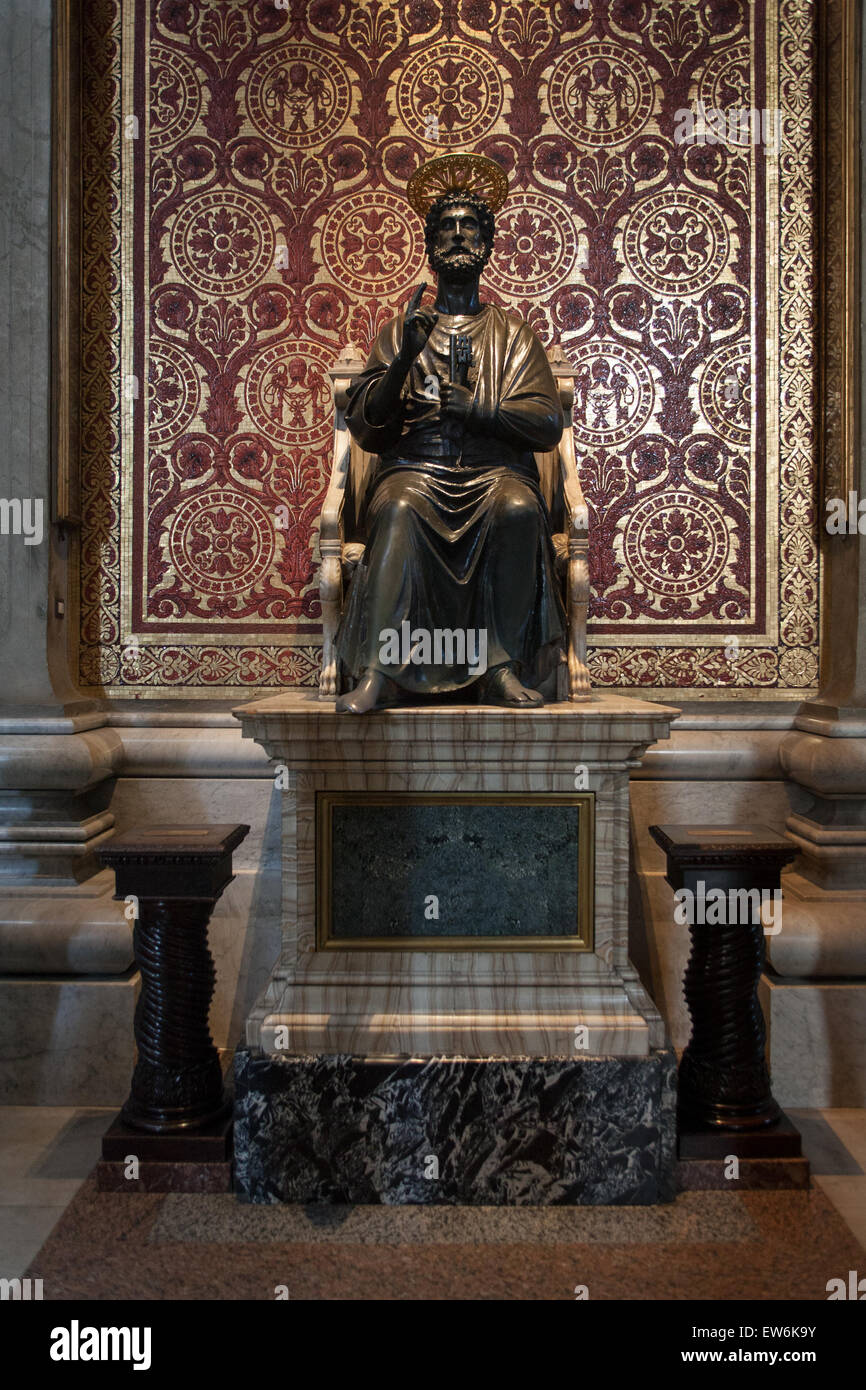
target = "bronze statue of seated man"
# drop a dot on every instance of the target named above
(456, 587)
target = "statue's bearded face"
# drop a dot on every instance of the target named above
(459, 249)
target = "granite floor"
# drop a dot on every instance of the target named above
(725, 1245)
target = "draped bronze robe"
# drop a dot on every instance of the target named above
(458, 534)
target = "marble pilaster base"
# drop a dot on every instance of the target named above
(56, 780)
(65, 931)
(497, 1131)
(66, 1040)
(816, 1041)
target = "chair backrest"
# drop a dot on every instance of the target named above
(349, 364)
(550, 473)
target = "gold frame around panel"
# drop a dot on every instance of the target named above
(838, 252)
(582, 941)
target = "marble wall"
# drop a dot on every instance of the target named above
(25, 345)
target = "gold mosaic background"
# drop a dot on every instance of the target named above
(244, 217)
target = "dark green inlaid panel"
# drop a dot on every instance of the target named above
(499, 868)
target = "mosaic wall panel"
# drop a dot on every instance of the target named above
(245, 169)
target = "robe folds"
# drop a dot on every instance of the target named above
(458, 535)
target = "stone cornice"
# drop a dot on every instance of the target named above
(308, 733)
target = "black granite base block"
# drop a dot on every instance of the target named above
(497, 1131)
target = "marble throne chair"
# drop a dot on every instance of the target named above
(342, 538)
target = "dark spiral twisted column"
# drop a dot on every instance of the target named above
(724, 1082)
(173, 874)
(177, 1080)
(723, 1077)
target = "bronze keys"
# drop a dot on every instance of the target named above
(460, 353)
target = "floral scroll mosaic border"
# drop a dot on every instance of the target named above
(114, 661)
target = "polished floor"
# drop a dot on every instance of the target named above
(725, 1245)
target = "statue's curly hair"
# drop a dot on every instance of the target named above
(464, 198)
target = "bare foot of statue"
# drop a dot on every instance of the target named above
(501, 687)
(373, 691)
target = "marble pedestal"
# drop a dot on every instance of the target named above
(492, 1025)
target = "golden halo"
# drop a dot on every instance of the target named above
(449, 172)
